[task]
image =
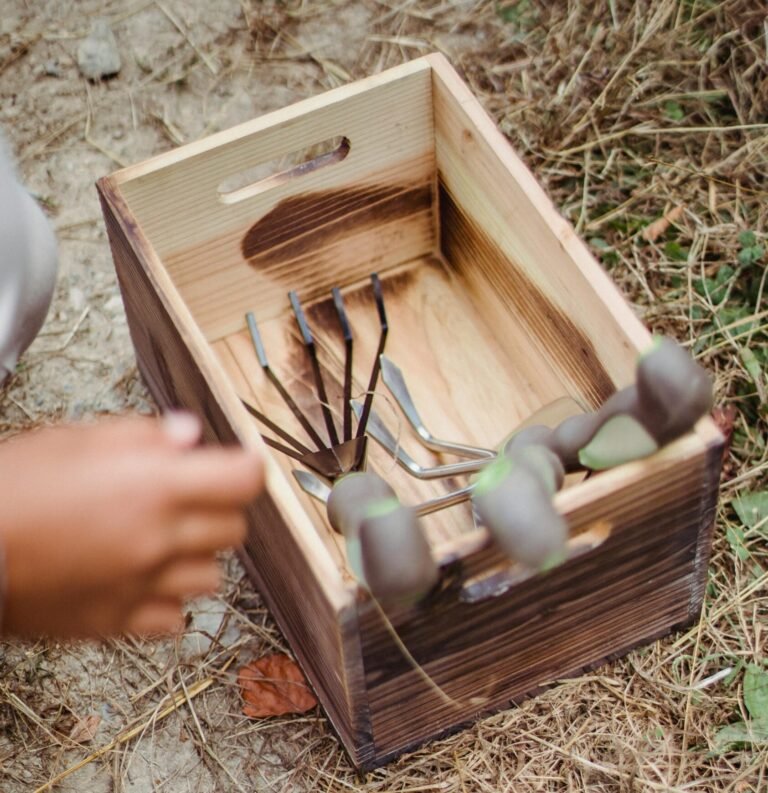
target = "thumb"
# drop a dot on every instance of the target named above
(182, 428)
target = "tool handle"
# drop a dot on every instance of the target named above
(513, 499)
(350, 498)
(672, 392)
(513, 496)
(397, 561)
(386, 547)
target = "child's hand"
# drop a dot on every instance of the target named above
(108, 527)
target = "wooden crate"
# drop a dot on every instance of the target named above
(496, 309)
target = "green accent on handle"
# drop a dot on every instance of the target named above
(554, 560)
(656, 342)
(621, 439)
(493, 475)
(381, 507)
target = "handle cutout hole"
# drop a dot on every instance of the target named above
(265, 176)
(502, 577)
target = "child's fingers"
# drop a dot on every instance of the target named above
(188, 578)
(125, 432)
(207, 532)
(217, 477)
(181, 428)
(156, 616)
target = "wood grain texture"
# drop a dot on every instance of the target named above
(218, 279)
(495, 309)
(640, 583)
(327, 645)
(489, 194)
(451, 360)
(372, 210)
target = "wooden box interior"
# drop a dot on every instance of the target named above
(495, 310)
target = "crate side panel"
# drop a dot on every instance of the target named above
(333, 225)
(309, 244)
(325, 641)
(389, 128)
(638, 584)
(522, 260)
(710, 496)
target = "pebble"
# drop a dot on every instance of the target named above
(97, 55)
(77, 298)
(114, 305)
(52, 69)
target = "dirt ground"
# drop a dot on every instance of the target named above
(624, 111)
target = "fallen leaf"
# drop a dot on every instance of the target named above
(756, 693)
(741, 732)
(273, 686)
(725, 417)
(654, 230)
(85, 729)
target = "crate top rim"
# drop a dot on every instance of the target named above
(186, 151)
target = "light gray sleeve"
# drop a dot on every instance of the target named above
(28, 264)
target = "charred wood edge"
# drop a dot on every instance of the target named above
(710, 493)
(580, 671)
(354, 730)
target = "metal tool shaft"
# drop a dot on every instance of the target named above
(275, 380)
(279, 431)
(316, 488)
(346, 331)
(309, 344)
(381, 434)
(393, 378)
(384, 325)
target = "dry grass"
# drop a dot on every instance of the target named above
(626, 111)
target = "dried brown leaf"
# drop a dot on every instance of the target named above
(724, 417)
(273, 686)
(85, 729)
(654, 230)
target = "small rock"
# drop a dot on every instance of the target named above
(97, 55)
(114, 305)
(52, 69)
(77, 298)
(107, 712)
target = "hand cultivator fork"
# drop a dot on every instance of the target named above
(512, 492)
(362, 506)
(337, 457)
